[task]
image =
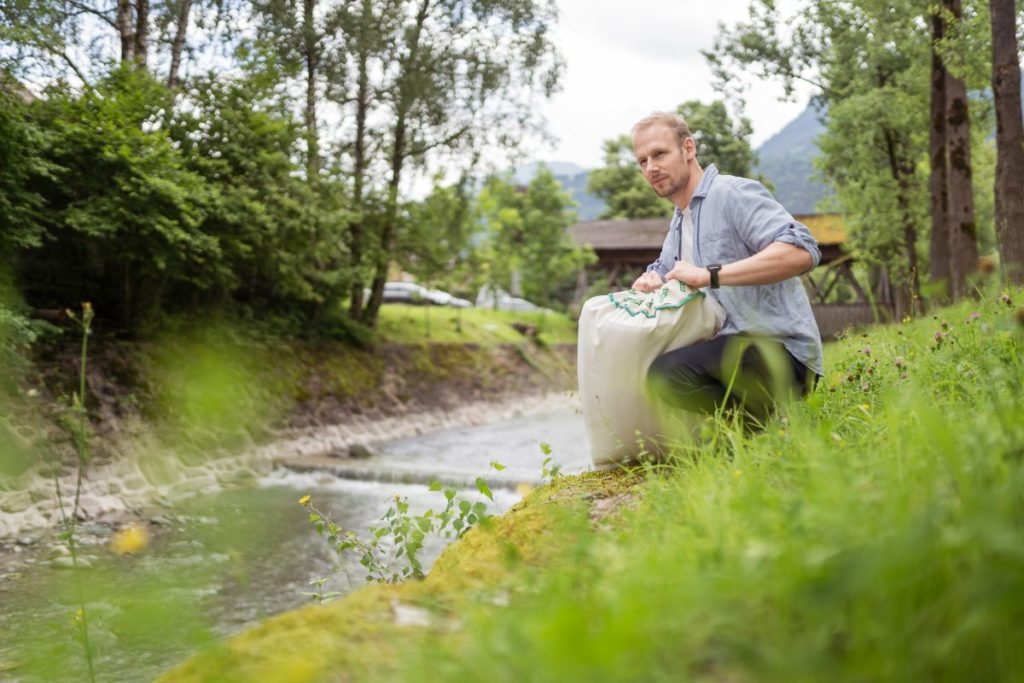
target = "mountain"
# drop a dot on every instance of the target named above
(786, 160)
(573, 179)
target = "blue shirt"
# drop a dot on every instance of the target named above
(735, 218)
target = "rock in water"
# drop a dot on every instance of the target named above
(359, 451)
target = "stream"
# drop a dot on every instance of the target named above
(218, 562)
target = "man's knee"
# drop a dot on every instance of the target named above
(680, 379)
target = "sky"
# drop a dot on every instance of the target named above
(627, 58)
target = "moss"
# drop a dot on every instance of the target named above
(356, 638)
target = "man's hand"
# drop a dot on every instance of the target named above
(648, 282)
(690, 275)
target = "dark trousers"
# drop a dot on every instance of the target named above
(737, 372)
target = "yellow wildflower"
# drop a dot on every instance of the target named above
(130, 540)
(304, 500)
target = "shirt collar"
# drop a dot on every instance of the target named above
(710, 173)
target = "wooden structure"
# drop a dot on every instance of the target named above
(624, 248)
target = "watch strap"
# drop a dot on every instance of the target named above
(713, 270)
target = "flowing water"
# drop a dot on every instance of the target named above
(216, 563)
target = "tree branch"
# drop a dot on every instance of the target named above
(102, 14)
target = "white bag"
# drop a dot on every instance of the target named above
(620, 335)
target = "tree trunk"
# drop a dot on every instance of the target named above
(141, 32)
(357, 233)
(963, 242)
(1009, 139)
(908, 284)
(124, 29)
(404, 100)
(390, 220)
(939, 251)
(184, 9)
(311, 56)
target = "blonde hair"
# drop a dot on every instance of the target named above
(674, 122)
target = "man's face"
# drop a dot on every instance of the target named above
(662, 159)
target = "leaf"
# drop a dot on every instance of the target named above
(545, 448)
(497, 465)
(483, 488)
(435, 485)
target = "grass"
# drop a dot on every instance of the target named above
(407, 324)
(873, 532)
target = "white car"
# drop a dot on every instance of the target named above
(405, 293)
(412, 293)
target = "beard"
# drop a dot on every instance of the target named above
(666, 190)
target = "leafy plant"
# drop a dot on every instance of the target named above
(391, 552)
(549, 469)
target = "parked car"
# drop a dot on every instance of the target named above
(405, 293)
(412, 293)
(501, 300)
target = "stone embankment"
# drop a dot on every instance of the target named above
(138, 472)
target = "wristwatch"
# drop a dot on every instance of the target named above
(713, 269)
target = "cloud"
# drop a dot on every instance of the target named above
(626, 59)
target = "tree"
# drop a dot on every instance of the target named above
(434, 243)
(1009, 138)
(181, 21)
(282, 240)
(938, 162)
(465, 76)
(720, 140)
(123, 215)
(963, 230)
(301, 32)
(527, 236)
(852, 52)
(21, 207)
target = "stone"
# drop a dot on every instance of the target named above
(15, 501)
(359, 451)
(66, 562)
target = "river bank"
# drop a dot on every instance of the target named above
(171, 420)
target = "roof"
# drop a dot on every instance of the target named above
(827, 228)
(649, 233)
(636, 233)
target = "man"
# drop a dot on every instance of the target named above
(730, 237)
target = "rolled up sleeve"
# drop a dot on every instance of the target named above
(760, 220)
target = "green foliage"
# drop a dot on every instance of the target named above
(124, 215)
(281, 239)
(434, 244)
(527, 242)
(20, 205)
(869, 532)
(390, 553)
(720, 140)
(869, 64)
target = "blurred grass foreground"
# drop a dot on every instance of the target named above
(873, 532)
